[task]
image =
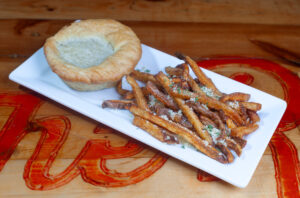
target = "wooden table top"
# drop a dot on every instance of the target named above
(68, 156)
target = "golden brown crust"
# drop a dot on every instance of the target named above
(126, 45)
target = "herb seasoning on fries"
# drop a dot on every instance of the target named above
(174, 106)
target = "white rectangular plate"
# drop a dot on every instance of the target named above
(36, 74)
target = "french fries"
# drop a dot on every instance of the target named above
(191, 137)
(180, 108)
(161, 134)
(210, 102)
(143, 77)
(117, 104)
(167, 101)
(240, 132)
(188, 112)
(251, 105)
(236, 96)
(201, 76)
(126, 94)
(138, 93)
(253, 116)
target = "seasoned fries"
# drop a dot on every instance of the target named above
(236, 96)
(178, 108)
(191, 137)
(117, 104)
(143, 77)
(240, 132)
(167, 101)
(138, 93)
(189, 113)
(251, 105)
(161, 134)
(201, 76)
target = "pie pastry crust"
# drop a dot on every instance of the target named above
(126, 54)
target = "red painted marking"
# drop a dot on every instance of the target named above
(55, 131)
(243, 77)
(206, 177)
(287, 172)
(15, 127)
(91, 161)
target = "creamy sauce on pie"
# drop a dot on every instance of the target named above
(85, 52)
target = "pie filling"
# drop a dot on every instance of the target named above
(85, 52)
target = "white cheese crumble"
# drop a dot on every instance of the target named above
(180, 112)
(167, 137)
(214, 132)
(205, 106)
(164, 117)
(174, 114)
(209, 92)
(223, 142)
(234, 104)
(152, 101)
(205, 142)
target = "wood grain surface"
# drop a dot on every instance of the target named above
(196, 28)
(209, 11)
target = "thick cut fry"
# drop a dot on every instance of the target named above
(230, 123)
(186, 72)
(117, 104)
(195, 87)
(129, 94)
(243, 113)
(226, 152)
(186, 134)
(232, 144)
(253, 116)
(187, 111)
(194, 120)
(222, 116)
(175, 117)
(243, 130)
(138, 94)
(179, 72)
(185, 76)
(159, 133)
(236, 96)
(168, 101)
(120, 90)
(251, 105)
(143, 77)
(206, 121)
(201, 76)
(240, 141)
(126, 94)
(203, 110)
(173, 71)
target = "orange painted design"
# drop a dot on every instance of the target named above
(91, 161)
(14, 129)
(55, 131)
(243, 77)
(284, 152)
(287, 172)
(206, 177)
